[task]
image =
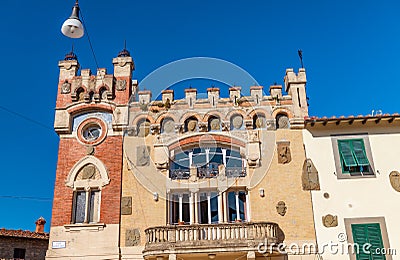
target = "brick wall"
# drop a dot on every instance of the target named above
(69, 153)
(35, 248)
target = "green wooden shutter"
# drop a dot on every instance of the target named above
(375, 239)
(368, 233)
(346, 153)
(360, 238)
(359, 152)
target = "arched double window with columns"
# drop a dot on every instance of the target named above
(87, 178)
(207, 161)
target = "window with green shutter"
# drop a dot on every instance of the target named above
(368, 233)
(353, 157)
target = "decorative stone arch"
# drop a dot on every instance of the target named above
(194, 139)
(282, 111)
(89, 159)
(143, 117)
(161, 117)
(103, 85)
(185, 116)
(257, 111)
(212, 113)
(236, 112)
(282, 118)
(79, 109)
(104, 89)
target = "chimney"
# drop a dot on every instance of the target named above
(40, 225)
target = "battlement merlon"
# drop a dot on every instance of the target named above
(68, 69)
(292, 78)
(295, 86)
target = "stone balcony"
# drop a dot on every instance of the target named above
(208, 238)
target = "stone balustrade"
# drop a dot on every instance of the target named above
(206, 238)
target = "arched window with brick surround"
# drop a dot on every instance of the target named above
(87, 178)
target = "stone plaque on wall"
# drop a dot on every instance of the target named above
(281, 208)
(394, 178)
(121, 85)
(329, 221)
(142, 155)
(309, 177)
(284, 155)
(126, 206)
(132, 237)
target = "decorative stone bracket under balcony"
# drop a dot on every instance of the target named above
(209, 238)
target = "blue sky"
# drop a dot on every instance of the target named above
(350, 51)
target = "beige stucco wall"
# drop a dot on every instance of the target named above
(355, 198)
(282, 182)
(90, 242)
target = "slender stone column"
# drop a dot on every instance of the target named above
(220, 211)
(209, 207)
(237, 205)
(196, 208)
(191, 209)
(247, 206)
(180, 207)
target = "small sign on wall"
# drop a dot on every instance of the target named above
(58, 244)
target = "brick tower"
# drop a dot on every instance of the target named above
(91, 114)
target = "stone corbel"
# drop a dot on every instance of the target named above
(248, 124)
(226, 125)
(203, 127)
(155, 129)
(132, 131)
(178, 128)
(96, 97)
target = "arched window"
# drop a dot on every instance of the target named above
(143, 128)
(87, 178)
(214, 124)
(167, 126)
(236, 122)
(80, 94)
(103, 93)
(282, 121)
(191, 124)
(259, 121)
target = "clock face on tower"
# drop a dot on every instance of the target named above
(92, 131)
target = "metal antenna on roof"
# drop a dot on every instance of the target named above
(300, 52)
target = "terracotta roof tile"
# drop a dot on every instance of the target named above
(22, 233)
(313, 119)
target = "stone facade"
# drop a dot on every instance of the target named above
(187, 178)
